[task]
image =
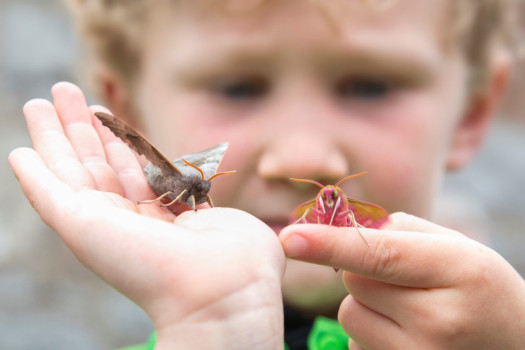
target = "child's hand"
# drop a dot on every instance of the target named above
(207, 279)
(417, 286)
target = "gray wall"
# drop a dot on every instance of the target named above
(49, 301)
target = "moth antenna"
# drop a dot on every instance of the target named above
(194, 167)
(307, 181)
(349, 177)
(222, 173)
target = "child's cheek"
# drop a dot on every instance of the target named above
(410, 188)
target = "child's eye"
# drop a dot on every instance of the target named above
(368, 89)
(243, 89)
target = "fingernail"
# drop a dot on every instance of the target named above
(294, 246)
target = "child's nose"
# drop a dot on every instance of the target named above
(303, 154)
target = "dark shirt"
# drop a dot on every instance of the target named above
(297, 327)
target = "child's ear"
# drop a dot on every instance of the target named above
(479, 111)
(116, 94)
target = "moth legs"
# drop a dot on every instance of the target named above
(356, 224)
(210, 202)
(149, 201)
(176, 199)
(190, 201)
(303, 218)
(161, 197)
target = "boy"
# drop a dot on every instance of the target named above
(299, 89)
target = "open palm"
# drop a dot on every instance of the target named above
(85, 183)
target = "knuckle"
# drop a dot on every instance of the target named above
(452, 325)
(384, 258)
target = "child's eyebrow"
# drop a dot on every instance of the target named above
(409, 61)
(384, 56)
(402, 64)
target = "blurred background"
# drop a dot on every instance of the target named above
(50, 301)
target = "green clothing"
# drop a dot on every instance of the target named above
(149, 345)
(326, 334)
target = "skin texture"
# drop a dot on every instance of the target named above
(385, 95)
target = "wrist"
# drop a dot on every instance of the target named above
(252, 319)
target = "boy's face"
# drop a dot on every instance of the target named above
(307, 91)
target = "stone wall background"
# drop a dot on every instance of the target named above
(50, 301)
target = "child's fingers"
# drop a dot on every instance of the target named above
(75, 118)
(352, 345)
(399, 303)
(50, 142)
(398, 257)
(405, 222)
(384, 298)
(91, 233)
(123, 161)
(42, 188)
(356, 319)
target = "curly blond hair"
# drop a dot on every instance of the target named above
(113, 30)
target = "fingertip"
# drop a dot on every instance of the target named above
(410, 223)
(99, 108)
(343, 247)
(64, 86)
(401, 221)
(67, 98)
(290, 230)
(36, 103)
(294, 245)
(398, 220)
(22, 161)
(16, 154)
(302, 240)
(400, 215)
(17, 151)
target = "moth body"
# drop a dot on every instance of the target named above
(331, 207)
(196, 189)
(186, 179)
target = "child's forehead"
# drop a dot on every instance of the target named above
(342, 12)
(327, 21)
(406, 33)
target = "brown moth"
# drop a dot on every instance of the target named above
(186, 179)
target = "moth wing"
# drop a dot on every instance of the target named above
(208, 160)
(368, 214)
(301, 210)
(137, 142)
